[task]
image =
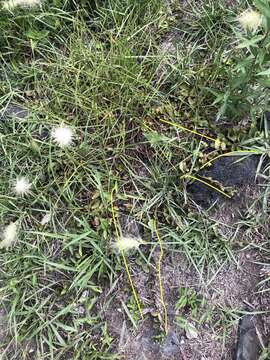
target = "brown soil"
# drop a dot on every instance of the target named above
(232, 288)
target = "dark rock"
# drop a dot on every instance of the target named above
(13, 111)
(248, 345)
(233, 172)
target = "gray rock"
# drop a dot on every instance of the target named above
(13, 111)
(248, 345)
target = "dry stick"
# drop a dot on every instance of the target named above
(160, 279)
(205, 183)
(229, 154)
(186, 129)
(125, 260)
(209, 138)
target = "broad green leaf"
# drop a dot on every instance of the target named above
(250, 42)
(264, 73)
(243, 64)
(261, 54)
(263, 6)
(240, 80)
(264, 82)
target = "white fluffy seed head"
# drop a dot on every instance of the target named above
(126, 243)
(9, 235)
(46, 219)
(11, 4)
(62, 136)
(22, 186)
(250, 20)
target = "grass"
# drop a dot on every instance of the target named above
(98, 68)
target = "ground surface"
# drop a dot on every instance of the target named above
(164, 153)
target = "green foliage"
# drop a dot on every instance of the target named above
(98, 67)
(247, 89)
(188, 300)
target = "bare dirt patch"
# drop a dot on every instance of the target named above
(213, 303)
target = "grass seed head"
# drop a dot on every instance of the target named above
(62, 136)
(250, 20)
(126, 243)
(9, 236)
(11, 4)
(22, 186)
(46, 219)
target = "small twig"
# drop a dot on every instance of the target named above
(205, 183)
(188, 130)
(231, 153)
